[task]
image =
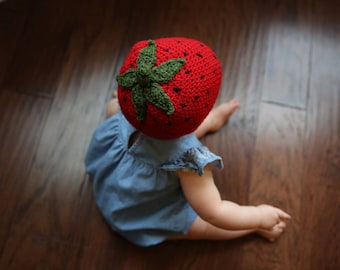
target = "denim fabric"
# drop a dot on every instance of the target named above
(136, 187)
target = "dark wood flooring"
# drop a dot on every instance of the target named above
(58, 61)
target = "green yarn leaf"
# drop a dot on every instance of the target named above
(164, 72)
(127, 79)
(147, 56)
(139, 100)
(144, 81)
(156, 96)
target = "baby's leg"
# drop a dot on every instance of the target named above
(217, 118)
(202, 230)
(112, 106)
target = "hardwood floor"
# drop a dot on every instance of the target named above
(58, 61)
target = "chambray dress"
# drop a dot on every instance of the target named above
(136, 187)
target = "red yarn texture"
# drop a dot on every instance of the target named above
(193, 90)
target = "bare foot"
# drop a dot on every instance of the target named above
(112, 106)
(271, 235)
(217, 118)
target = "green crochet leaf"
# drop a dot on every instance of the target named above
(164, 72)
(156, 96)
(139, 100)
(144, 81)
(127, 79)
(147, 56)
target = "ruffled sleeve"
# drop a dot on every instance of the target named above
(194, 160)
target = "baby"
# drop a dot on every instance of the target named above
(152, 177)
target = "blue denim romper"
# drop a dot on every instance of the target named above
(136, 188)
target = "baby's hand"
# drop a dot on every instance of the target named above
(270, 216)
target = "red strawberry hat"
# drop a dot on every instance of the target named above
(167, 86)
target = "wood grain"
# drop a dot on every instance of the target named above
(12, 21)
(277, 170)
(288, 54)
(46, 206)
(39, 50)
(321, 193)
(19, 115)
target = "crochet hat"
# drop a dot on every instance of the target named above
(167, 86)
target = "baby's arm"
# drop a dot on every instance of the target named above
(202, 194)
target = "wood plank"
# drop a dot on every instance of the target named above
(52, 190)
(321, 190)
(40, 49)
(241, 49)
(289, 45)
(196, 20)
(276, 179)
(37, 252)
(22, 119)
(12, 22)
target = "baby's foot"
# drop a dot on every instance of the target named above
(217, 118)
(271, 235)
(220, 115)
(112, 106)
